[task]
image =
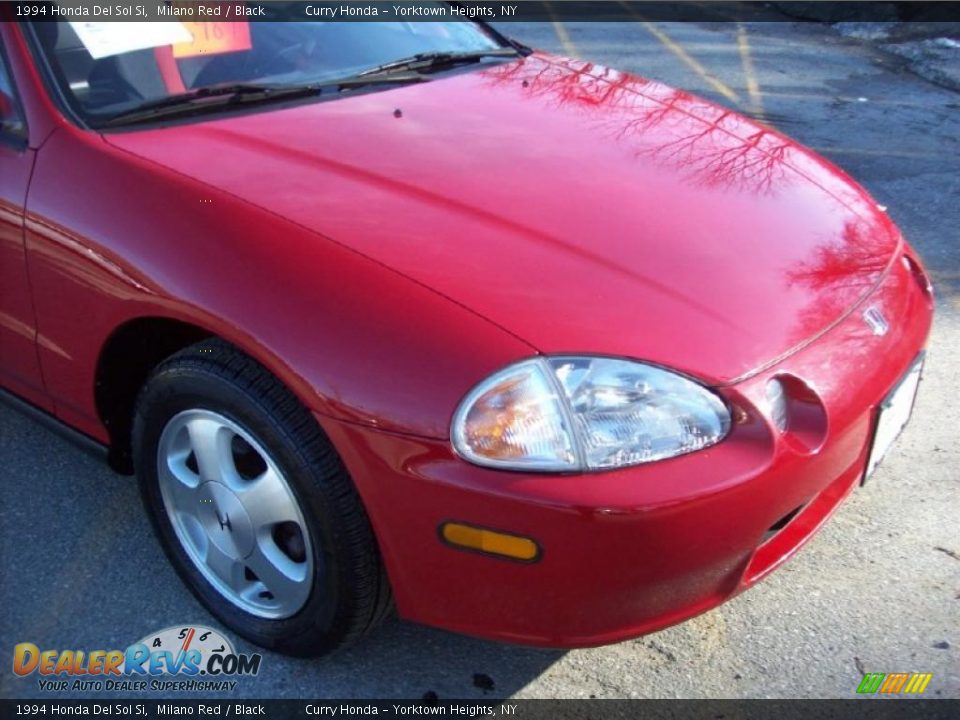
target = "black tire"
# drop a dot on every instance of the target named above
(350, 594)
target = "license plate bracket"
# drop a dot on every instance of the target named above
(893, 415)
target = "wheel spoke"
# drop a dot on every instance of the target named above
(182, 486)
(210, 442)
(284, 578)
(225, 567)
(267, 501)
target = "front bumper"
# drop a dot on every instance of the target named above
(634, 550)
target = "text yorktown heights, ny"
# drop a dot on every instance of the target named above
(451, 709)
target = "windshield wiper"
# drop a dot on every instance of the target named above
(437, 60)
(220, 96)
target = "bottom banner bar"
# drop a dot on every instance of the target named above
(877, 709)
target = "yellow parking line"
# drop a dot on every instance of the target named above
(678, 50)
(753, 86)
(562, 35)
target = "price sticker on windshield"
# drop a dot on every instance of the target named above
(104, 39)
(213, 38)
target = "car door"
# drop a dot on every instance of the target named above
(19, 365)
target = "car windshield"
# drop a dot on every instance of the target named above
(108, 72)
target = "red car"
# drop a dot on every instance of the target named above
(408, 314)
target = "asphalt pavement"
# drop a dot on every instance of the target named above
(878, 590)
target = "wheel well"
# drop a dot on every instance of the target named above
(126, 360)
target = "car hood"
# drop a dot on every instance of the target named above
(579, 208)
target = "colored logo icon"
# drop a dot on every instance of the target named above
(894, 683)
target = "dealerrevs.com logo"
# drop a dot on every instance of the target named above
(191, 658)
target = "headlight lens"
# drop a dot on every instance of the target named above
(585, 413)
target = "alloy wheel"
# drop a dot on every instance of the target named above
(234, 514)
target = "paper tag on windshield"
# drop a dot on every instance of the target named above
(103, 39)
(212, 38)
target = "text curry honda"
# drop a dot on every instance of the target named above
(407, 314)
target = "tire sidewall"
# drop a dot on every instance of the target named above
(319, 623)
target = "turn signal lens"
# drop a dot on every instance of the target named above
(515, 419)
(490, 541)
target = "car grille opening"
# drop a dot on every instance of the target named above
(781, 523)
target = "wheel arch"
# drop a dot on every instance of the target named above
(125, 361)
(137, 345)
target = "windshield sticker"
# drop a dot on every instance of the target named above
(211, 38)
(103, 39)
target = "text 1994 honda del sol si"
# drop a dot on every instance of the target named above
(401, 314)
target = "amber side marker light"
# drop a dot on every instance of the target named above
(489, 542)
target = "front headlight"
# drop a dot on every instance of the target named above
(568, 414)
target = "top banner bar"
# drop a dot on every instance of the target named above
(509, 11)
